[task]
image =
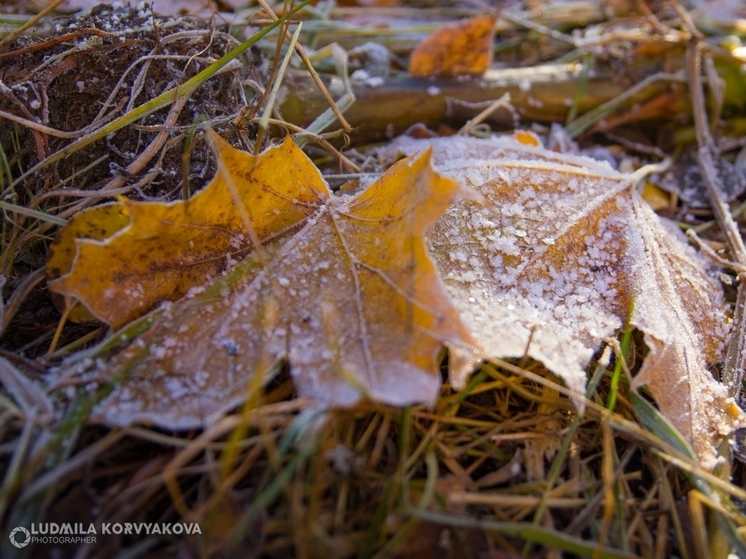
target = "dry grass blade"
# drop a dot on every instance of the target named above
(31, 22)
(322, 88)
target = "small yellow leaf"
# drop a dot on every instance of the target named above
(657, 198)
(464, 48)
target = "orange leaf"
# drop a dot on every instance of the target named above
(656, 197)
(343, 289)
(455, 50)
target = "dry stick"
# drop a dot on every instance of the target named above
(144, 158)
(501, 103)
(657, 25)
(212, 31)
(31, 22)
(79, 193)
(40, 127)
(322, 88)
(316, 137)
(138, 83)
(138, 164)
(710, 252)
(24, 288)
(707, 154)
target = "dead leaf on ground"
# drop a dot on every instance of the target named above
(343, 288)
(461, 49)
(555, 259)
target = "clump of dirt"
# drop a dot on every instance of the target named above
(95, 68)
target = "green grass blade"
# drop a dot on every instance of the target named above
(549, 538)
(658, 425)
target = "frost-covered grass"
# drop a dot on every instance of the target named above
(506, 464)
(506, 467)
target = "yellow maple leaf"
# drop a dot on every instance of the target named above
(343, 289)
(554, 259)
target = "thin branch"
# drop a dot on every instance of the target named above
(708, 155)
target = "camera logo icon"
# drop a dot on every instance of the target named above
(20, 537)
